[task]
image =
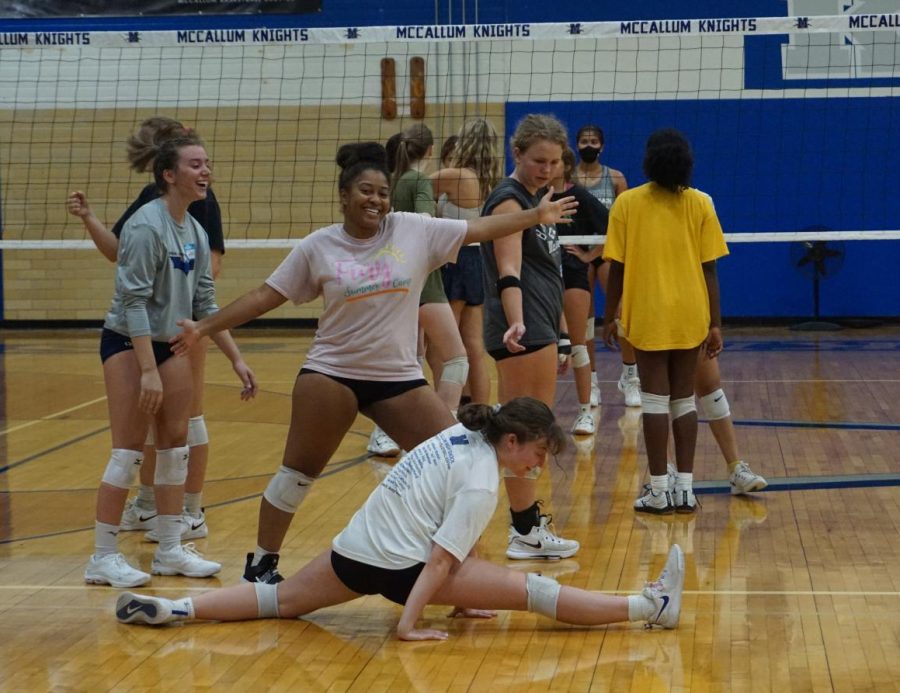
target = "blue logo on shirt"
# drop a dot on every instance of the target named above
(459, 440)
(182, 264)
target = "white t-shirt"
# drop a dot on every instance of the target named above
(443, 492)
(371, 288)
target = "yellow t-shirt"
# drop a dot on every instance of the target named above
(662, 238)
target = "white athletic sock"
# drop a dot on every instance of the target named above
(629, 371)
(146, 498)
(183, 609)
(258, 555)
(659, 484)
(585, 408)
(192, 502)
(106, 539)
(640, 608)
(684, 481)
(168, 528)
(594, 380)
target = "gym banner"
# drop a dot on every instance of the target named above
(130, 8)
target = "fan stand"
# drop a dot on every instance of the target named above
(816, 325)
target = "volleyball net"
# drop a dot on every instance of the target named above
(794, 120)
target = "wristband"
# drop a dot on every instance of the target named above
(508, 282)
(564, 345)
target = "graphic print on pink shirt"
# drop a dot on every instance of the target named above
(373, 278)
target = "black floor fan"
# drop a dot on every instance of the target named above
(817, 260)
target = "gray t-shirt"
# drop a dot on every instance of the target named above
(163, 275)
(541, 276)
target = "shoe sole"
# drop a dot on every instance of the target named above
(685, 509)
(517, 556)
(97, 580)
(145, 613)
(582, 432)
(162, 570)
(672, 621)
(668, 510)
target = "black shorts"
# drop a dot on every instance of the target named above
(462, 279)
(112, 343)
(504, 353)
(368, 579)
(576, 277)
(370, 391)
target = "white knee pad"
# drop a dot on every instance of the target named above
(456, 370)
(543, 593)
(197, 433)
(150, 440)
(680, 407)
(580, 357)
(122, 467)
(590, 330)
(654, 404)
(714, 406)
(171, 466)
(287, 489)
(266, 600)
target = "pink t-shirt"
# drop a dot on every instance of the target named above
(371, 288)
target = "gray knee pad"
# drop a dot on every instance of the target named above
(122, 467)
(654, 404)
(580, 357)
(590, 330)
(287, 489)
(266, 600)
(455, 370)
(543, 593)
(681, 407)
(171, 466)
(197, 433)
(714, 406)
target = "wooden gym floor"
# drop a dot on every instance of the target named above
(795, 589)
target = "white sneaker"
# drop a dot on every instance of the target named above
(665, 593)
(584, 425)
(192, 527)
(744, 480)
(656, 503)
(139, 608)
(380, 444)
(135, 518)
(540, 542)
(113, 569)
(685, 500)
(595, 394)
(183, 560)
(631, 388)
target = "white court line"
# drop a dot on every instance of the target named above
(51, 416)
(721, 593)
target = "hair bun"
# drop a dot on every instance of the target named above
(369, 152)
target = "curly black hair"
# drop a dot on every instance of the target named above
(669, 160)
(358, 157)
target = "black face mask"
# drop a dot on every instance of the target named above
(589, 154)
